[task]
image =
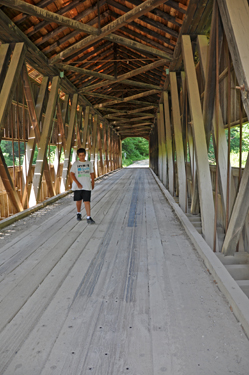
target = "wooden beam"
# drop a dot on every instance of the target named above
(35, 28)
(169, 145)
(127, 121)
(134, 13)
(235, 20)
(132, 44)
(39, 167)
(210, 69)
(204, 177)
(8, 184)
(48, 16)
(181, 173)
(85, 129)
(164, 150)
(110, 78)
(222, 147)
(144, 18)
(122, 116)
(94, 143)
(54, 32)
(128, 99)
(37, 59)
(35, 113)
(71, 128)
(239, 214)
(130, 74)
(5, 53)
(10, 81)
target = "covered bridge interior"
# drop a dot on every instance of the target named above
(90, 73)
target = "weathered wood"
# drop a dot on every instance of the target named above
(130, 74)
(8, 184)
(34, 29)
(122, 116)
(94, 158)
(48, 16)
(50, 111)
(36, 58)
(222, 147)
(92, 73)
(168, 142)
(10, 81)
(134, 13)
(35, 113)
(204, 178)
(128, 99)
(85, 129)
(71, 129)
(61, 29)
(61, 119)
(235, 18)
(5, 53)
(239, 214)
(164, 151)
(181, 173)
(127, 121)
(209, 71)
(195, 205)
(100, 148)
(159, 134)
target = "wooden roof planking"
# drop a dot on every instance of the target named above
(113, 52)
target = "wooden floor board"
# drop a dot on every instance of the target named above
(128, 295)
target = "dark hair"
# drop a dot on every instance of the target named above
(81, 150)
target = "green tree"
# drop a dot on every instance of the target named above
(7, 149)
(134, 149)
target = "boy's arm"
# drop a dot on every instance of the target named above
(92, 178)
(75, 180)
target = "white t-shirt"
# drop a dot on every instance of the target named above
(82, 171)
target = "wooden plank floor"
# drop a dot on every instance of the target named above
(128, 295)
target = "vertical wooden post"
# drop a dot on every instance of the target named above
(204, 177)
(86, 121)
(71, 128)
(100, 147)
(222, 144)
(159, 134)
(61, 118)
(94, 158)
(111, 148)
(178, 141)
(163, 145)
(35, 113)
(106, 132)
(168, 142)
(36, 185)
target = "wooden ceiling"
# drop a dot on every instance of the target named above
(113, 52)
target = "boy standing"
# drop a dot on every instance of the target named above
(83, 183)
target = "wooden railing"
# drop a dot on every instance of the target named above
(6, 207)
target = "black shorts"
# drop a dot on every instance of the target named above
(84, 195)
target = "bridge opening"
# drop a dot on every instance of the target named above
(134, 149)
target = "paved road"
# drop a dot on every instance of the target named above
(140, 164)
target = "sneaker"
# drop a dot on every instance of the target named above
(79, 217)
(90, 221)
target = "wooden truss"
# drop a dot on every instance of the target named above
(89, 74)
(199, 104)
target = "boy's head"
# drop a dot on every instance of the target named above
(81, 151)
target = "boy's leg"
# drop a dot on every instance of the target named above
(78, 205)
(88, 208)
